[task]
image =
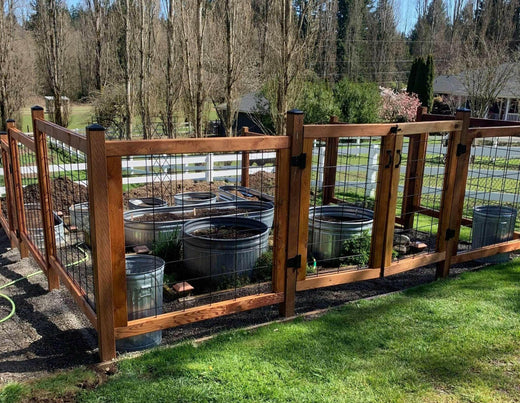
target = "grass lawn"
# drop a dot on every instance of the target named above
(80, 117)
(456, 340)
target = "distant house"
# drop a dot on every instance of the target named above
(506, 107)
(252, 111)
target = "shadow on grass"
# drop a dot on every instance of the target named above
(438, 337)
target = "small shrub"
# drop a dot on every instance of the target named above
(168, 247)
(356, 250)
(398, 106)
(358, 102)
(317, 102)
(263, 267)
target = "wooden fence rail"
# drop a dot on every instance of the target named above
(400, 198)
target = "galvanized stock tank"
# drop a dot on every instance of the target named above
(146, 233)
(144, 297)
(189, 198)
(37, 233)
(326, 237)
(146, 202)
(493, 224)
(218, 259)
(79, 216)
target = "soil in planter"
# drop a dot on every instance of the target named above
(243, 195)
(263, 182)
(339, 218)
(196, 213)
(226, 232)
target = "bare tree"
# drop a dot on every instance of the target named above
(193, 18)
(487, 71)
(293, 31)
(50, 20)
(14, 67)
(233, 45)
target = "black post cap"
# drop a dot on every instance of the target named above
(36, 108)
(2, 132)
(95, 128)
(463, 110)
(10, 121)
(295, 112)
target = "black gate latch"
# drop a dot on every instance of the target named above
(295, 262)
(299, 161)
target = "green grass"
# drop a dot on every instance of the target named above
(80, 117)
(450, 341)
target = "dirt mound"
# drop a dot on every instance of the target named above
(65, 193)
(263, 181)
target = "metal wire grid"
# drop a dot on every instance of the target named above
(31, 197)
(420, 237)
(340, 233)
(69, 194)
(493, 184)
(3, 189)
(178, 208)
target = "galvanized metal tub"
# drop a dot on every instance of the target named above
(218, 260)
(144, 297)
(227, 192)
(146, 202)
(491, 225)
(146, 233)
(190, 198)
(80, 217)
(326, 237)
(37, 233)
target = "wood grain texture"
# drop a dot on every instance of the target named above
(280, 224)
(379, 130)
(328, 280)
(101, 243)
(414, 262)
(481, 133)
(205, 145)
(117, 239)
(42, 163)
(486, 251)
(23, 138)
(62, 134)
(172, 319)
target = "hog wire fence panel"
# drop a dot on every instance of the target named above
(4, 212)
(69, 195)
(492, 194)
(340, 228)
(419, 194)
(214, 235)
(31, 198)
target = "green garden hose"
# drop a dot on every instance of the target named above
(13, 306)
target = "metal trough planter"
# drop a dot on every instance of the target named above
(220, 259)
(190, 198)
(146, 202)
(330, 226)
(37, 233)
(230, 192)
(146, 233)
(79, 217)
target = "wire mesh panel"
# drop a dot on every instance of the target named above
(419, 194)
(340, 227)
(69, 194)
(213, 234)
(3, 188)
(32, 199)
(492, 194)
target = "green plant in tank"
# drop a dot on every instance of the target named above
(356, 250)
(168, 246)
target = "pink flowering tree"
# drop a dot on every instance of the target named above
(398, 106)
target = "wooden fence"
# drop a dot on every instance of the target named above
(100, 287)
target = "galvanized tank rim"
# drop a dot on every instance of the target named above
(230, 221)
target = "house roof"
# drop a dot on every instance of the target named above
(250, 103)
(455, 84)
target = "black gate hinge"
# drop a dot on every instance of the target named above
(295, 262)
(461, 149)
(450, 233)
(299, 161)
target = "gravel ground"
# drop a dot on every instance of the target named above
(49, 333)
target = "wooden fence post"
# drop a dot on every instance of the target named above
(244, 178)
(414, 173)
(454, 190)
(386, 200)
(301, 159)
(9, 195)
(98, 189)
(42, 162)
(16, 176)
(331, 161)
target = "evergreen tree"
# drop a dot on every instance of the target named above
(420, 80)
(410, 87)
(428, 93)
